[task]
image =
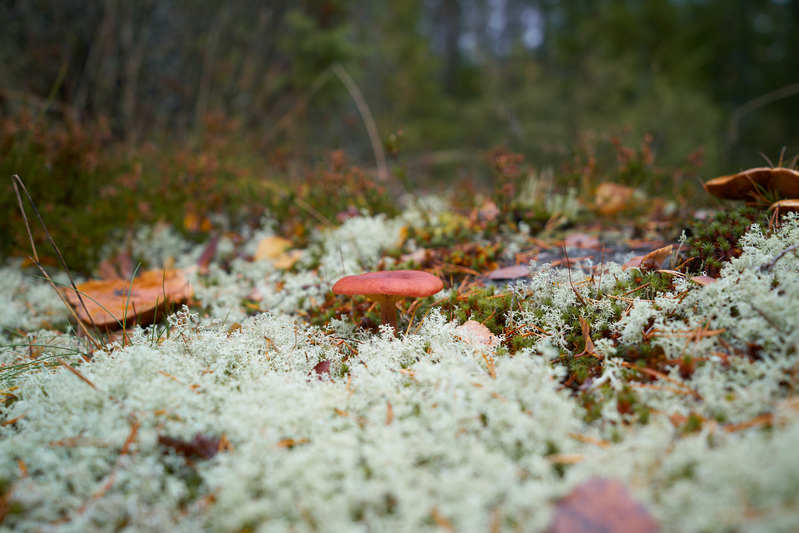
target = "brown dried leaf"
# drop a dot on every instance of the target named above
(589, 344)
(651, 261)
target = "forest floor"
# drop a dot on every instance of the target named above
(616, 363)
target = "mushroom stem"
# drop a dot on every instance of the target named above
(388, 309)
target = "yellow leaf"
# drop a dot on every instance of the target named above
(271, 247)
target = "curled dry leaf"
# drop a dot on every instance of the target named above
(612, 198)
(110, 302)
(589, 344)
(476, 334)
(601, 505)
(651, 261)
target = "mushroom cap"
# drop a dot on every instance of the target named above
(414, 283)
(743, 185)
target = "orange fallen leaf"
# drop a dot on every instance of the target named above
(612, 198)
(110, 302)
(271, 247)
(601, 505)
(287, 260)
(276, 250)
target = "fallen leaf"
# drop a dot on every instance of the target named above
(599, 505)
(476, 334)
(287, 260)
(651, 261)
(200, 446)
(581, 240)
(589, 344)
(510, 272)
(612, 198)
(271, 248)
(276, 250)
(208, 254)
(655, 258)
(321, 368)
(110, 302)
(703, 280)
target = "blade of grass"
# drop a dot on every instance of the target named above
(18, 183)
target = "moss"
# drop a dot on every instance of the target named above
(713, 243)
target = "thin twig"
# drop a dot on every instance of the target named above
(768, 266)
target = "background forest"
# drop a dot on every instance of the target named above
(169, 89)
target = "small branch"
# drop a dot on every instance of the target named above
(768, 266)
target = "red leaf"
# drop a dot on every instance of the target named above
(322, 368)
(200, 446)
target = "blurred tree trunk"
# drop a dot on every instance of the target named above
(451, 23)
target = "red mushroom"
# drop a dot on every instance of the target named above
(386, 287)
